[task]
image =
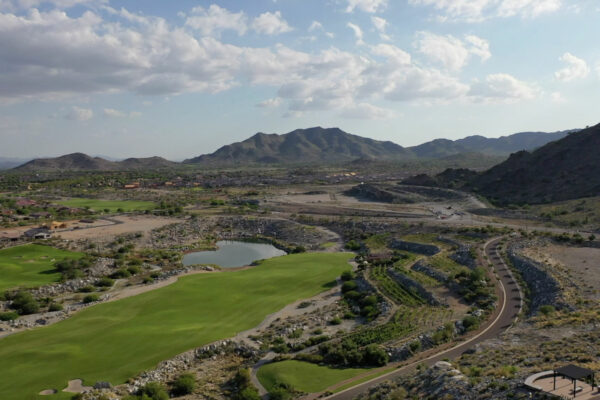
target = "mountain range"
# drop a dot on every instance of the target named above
(313, 145)
(83, 162)
(562, 170)
(565, 169)
(334, 145)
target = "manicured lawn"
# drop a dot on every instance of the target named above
(30, 265)
(112, 205)
(304, 376)
(115, 341)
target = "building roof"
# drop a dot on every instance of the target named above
(574, 372)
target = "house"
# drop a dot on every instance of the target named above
(43, 233)
(54, 225)
(5, 212)
(133, 185)
(40, 214)
(25, 202)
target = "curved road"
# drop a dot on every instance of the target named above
(511, 302)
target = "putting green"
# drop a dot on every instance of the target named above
(112, 205)
(304, 376)
(30, 265)
(115, 341)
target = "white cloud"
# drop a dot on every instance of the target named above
(528, 8)
(392, 53)
(112, 113)
(503, 88)
(451, 52)
(370, 6)
(479, 10)
(358, 33)
(576, 68)
(448, 51)
(216, 20)
(79, 114)
(557, 97)
(270, 103)
(380, 25)
(270, 24)
(51, 55)
(366, 111)
(480, 47)
(317, 26)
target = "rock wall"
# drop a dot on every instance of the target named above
(419, 248)
(543, 288)
(411, 284)
(423, 267)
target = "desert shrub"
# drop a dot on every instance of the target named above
(349, 286)
(347, 276)
(154, 391)
(353, 245)
(120, 273)
(243, 387)
(24, 303)
(8, 316)
(547, 309)
(183, 385)
(87, 289)
(90, 298)
(133, 269)
(336, 321)
(470, 322)
(55, 307)
(105, 282)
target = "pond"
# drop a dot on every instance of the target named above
(231, 254)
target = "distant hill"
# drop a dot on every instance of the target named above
(303, 146)
(333, 145)
(83, 162)
(320, 145)
(566, 169)
(502, 146)
(11, 162)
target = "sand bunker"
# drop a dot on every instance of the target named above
(47, 392)
(76, 386)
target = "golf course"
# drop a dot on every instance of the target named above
(304, 376)
(30, 265)
(117, 340)
(111, 205)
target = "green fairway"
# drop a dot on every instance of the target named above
(115, 341)
(112, 205)
(304, 376)
(30, 265)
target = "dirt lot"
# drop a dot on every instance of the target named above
(582, 264)
(123, 225)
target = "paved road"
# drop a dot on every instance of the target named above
(510, 301)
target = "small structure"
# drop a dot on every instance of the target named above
(565, 382)
(54, 225)
(38, 233)
(574, 373)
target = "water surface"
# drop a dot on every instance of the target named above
(231, 254)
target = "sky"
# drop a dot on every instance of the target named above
(177, 79)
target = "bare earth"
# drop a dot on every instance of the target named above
(126, 224)
(582, 262)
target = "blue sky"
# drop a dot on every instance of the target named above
(179, 79)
